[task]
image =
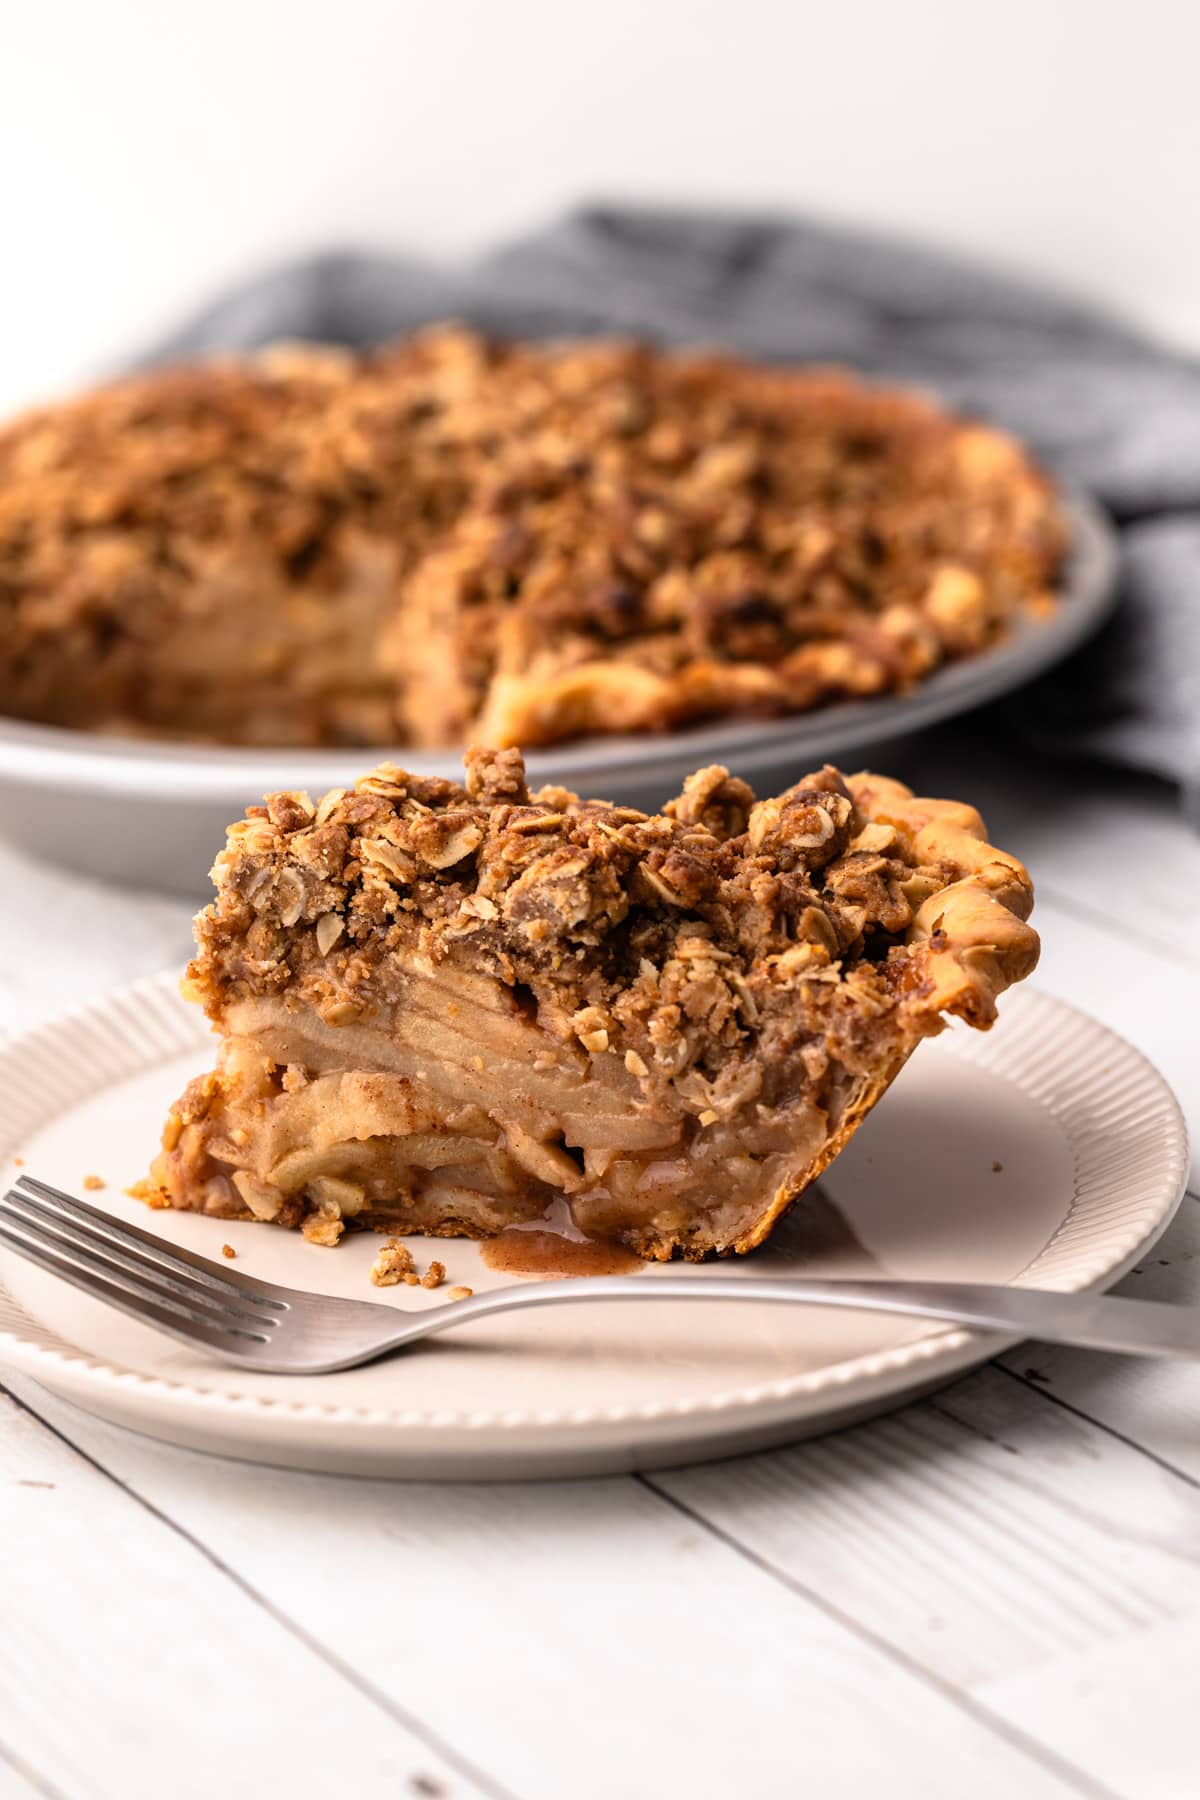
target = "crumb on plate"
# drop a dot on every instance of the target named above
(154, 1196)
(322, 1228)
(229, 1251)
(393, 1264)
(434, 1275)
(93, 1183)
(460, 1293)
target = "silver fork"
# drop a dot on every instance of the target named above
(258, 1325)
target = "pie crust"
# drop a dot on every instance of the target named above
(452, 540)
(449, 1009)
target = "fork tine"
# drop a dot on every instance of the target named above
(113, 1227)
(233, 1342)
(71, 1234)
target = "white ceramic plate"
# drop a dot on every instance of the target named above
(1091, 1150)
(155, 814)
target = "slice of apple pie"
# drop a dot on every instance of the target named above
(443, 1008)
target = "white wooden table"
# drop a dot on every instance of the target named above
(995, 1592)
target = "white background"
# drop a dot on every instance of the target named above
(151, 151)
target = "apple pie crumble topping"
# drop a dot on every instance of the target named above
(450, 538)
(444, 1008)
(393, 1264)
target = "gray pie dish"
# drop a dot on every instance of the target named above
(153, 814)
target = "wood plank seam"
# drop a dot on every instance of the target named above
(479, 1778)
(1097, 917)
(1043, 1755)
(1037, 1387)
(33, 1779)
(1047, 1393)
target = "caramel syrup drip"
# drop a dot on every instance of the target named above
(548, 1253)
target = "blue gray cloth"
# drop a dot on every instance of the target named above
(1099, 401)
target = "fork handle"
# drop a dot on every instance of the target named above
(1088, 1321)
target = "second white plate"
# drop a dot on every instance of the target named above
(1048, 1152)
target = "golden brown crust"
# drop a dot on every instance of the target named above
(451, 538)
(974, 927)
(442, 1006)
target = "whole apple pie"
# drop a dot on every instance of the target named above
(451, 540)
(445, 1009)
